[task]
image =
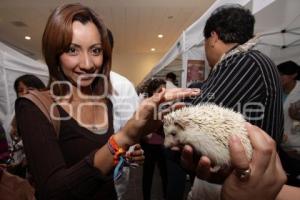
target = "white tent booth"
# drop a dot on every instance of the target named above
(12, 65)
(277, 21)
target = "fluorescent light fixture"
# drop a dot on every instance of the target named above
(160, 35)
(152, 49)
(27, 37)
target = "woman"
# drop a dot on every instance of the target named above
(78, 164)
(27, 82)
(22, 85)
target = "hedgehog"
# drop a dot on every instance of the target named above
(206, 128)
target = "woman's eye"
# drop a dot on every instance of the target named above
(173, 133)
(72, 51)
(97, 51)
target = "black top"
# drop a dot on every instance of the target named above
(62, 167)
(249, 83)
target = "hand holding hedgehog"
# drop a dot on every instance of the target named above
(267, 176)
(207, 129)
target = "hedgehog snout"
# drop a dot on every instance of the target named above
(170, 141)
(170, 136)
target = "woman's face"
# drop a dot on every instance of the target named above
(84, 57)
(22, 89)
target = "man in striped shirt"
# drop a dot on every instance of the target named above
(241, 78)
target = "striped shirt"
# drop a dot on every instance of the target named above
(247, 82)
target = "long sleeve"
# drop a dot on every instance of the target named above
(53, 178)
(249, 83)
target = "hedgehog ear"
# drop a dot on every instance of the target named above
(179, 125)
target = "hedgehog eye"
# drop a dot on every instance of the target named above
(173, 133)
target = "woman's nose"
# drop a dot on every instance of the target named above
(86, 63)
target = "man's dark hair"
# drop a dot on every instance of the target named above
(171, 76)
(30, 81)
(233, 24)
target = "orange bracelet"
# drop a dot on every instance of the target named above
(115, 149)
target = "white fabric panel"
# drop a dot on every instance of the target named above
(12, 65)
(281, 14)
(260, 4)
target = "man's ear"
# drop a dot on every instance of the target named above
(214, 37)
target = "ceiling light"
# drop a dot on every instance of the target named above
(160, 35)
(152, 49)
(27, 37)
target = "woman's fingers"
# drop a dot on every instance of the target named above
(173, 94)
(178, 93)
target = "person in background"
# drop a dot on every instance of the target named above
(79, 163)
(27, 82)
(4, 152)
(152, 144)
(171, 80)
(290, 148)
(22, 85)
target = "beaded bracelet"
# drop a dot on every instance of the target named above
(115, 150)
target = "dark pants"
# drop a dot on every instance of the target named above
(154, 154)
(176, 176)
(291, 166)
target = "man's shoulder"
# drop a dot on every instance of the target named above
(258, 56)
(253, 58)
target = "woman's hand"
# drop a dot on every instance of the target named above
(145, 119)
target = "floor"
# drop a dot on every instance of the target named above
(157, 194)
